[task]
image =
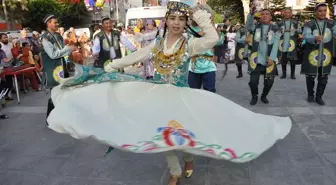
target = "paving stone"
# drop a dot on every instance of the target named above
(230, 174)
(18, 178)
(81, 167)
(23, 162)
(48, 165)
(306, 158)
(318, 176)
(324, 110)
(300, 110)
(139, 171)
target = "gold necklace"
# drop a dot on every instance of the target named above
(165, 64)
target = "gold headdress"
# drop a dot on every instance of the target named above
(178, 7)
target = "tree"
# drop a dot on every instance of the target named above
(69, 14)
(218, 18)
(277, 6)
(308, 11)
(232, 9)
(13, 11)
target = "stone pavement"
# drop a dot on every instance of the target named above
(31, 154)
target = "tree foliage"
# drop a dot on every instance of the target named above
(68, 14)
(308, 12)
(232, 9)
(277, 6)
(15, 10)
(218, 18)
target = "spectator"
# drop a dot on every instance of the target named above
(73, 37)
(96, 30)
(27, 58)
(7, 81)
(76, 55)
(24, 37)
(16, 50)
(6, 46)
(61, 31)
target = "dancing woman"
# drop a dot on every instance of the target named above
(165, 115)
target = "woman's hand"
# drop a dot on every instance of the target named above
(201, 14)
(110, 68)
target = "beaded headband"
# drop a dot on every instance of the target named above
(175, 7)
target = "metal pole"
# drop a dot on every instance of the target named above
(117, 9)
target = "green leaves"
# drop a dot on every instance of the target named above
(69, 14)
(232, 9)
(277, 6)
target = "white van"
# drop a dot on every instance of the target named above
(144, 13)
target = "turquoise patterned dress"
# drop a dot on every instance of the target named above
(85, 75)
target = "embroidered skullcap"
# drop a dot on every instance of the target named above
(178, 7)
(319, 5)
(104, 18)
(35, 33)
(48, 17)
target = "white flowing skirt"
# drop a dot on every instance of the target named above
(143, 117)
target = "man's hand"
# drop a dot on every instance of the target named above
(300, 36)
(270, 62)
(318, 39)
(252, 9)
(249, 39)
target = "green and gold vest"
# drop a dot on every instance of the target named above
(242, 49)
(52, 68)
(253, 58)
(105, 45)
(310, 61)
(293, 39)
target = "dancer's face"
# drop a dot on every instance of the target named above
(288, 14)
(176, 23)
(150, 26)
(266, 17)
(321, 12)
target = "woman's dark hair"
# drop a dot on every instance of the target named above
(25, 44)
(231, 29)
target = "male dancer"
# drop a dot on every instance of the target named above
(54, 56)
(263, 55)
(242, 49)
(106, 45)
(288, 48)
(317, 59)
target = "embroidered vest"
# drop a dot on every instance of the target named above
(293, 39)
(311, 54)
(253, 58)
(105, 45)
(242, 49)
(52, 68)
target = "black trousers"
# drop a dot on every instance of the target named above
(322, 81)
(284, 61)
(50, 107)
(254, 81)
(239, 67)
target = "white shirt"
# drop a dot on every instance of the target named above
(7, 49)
